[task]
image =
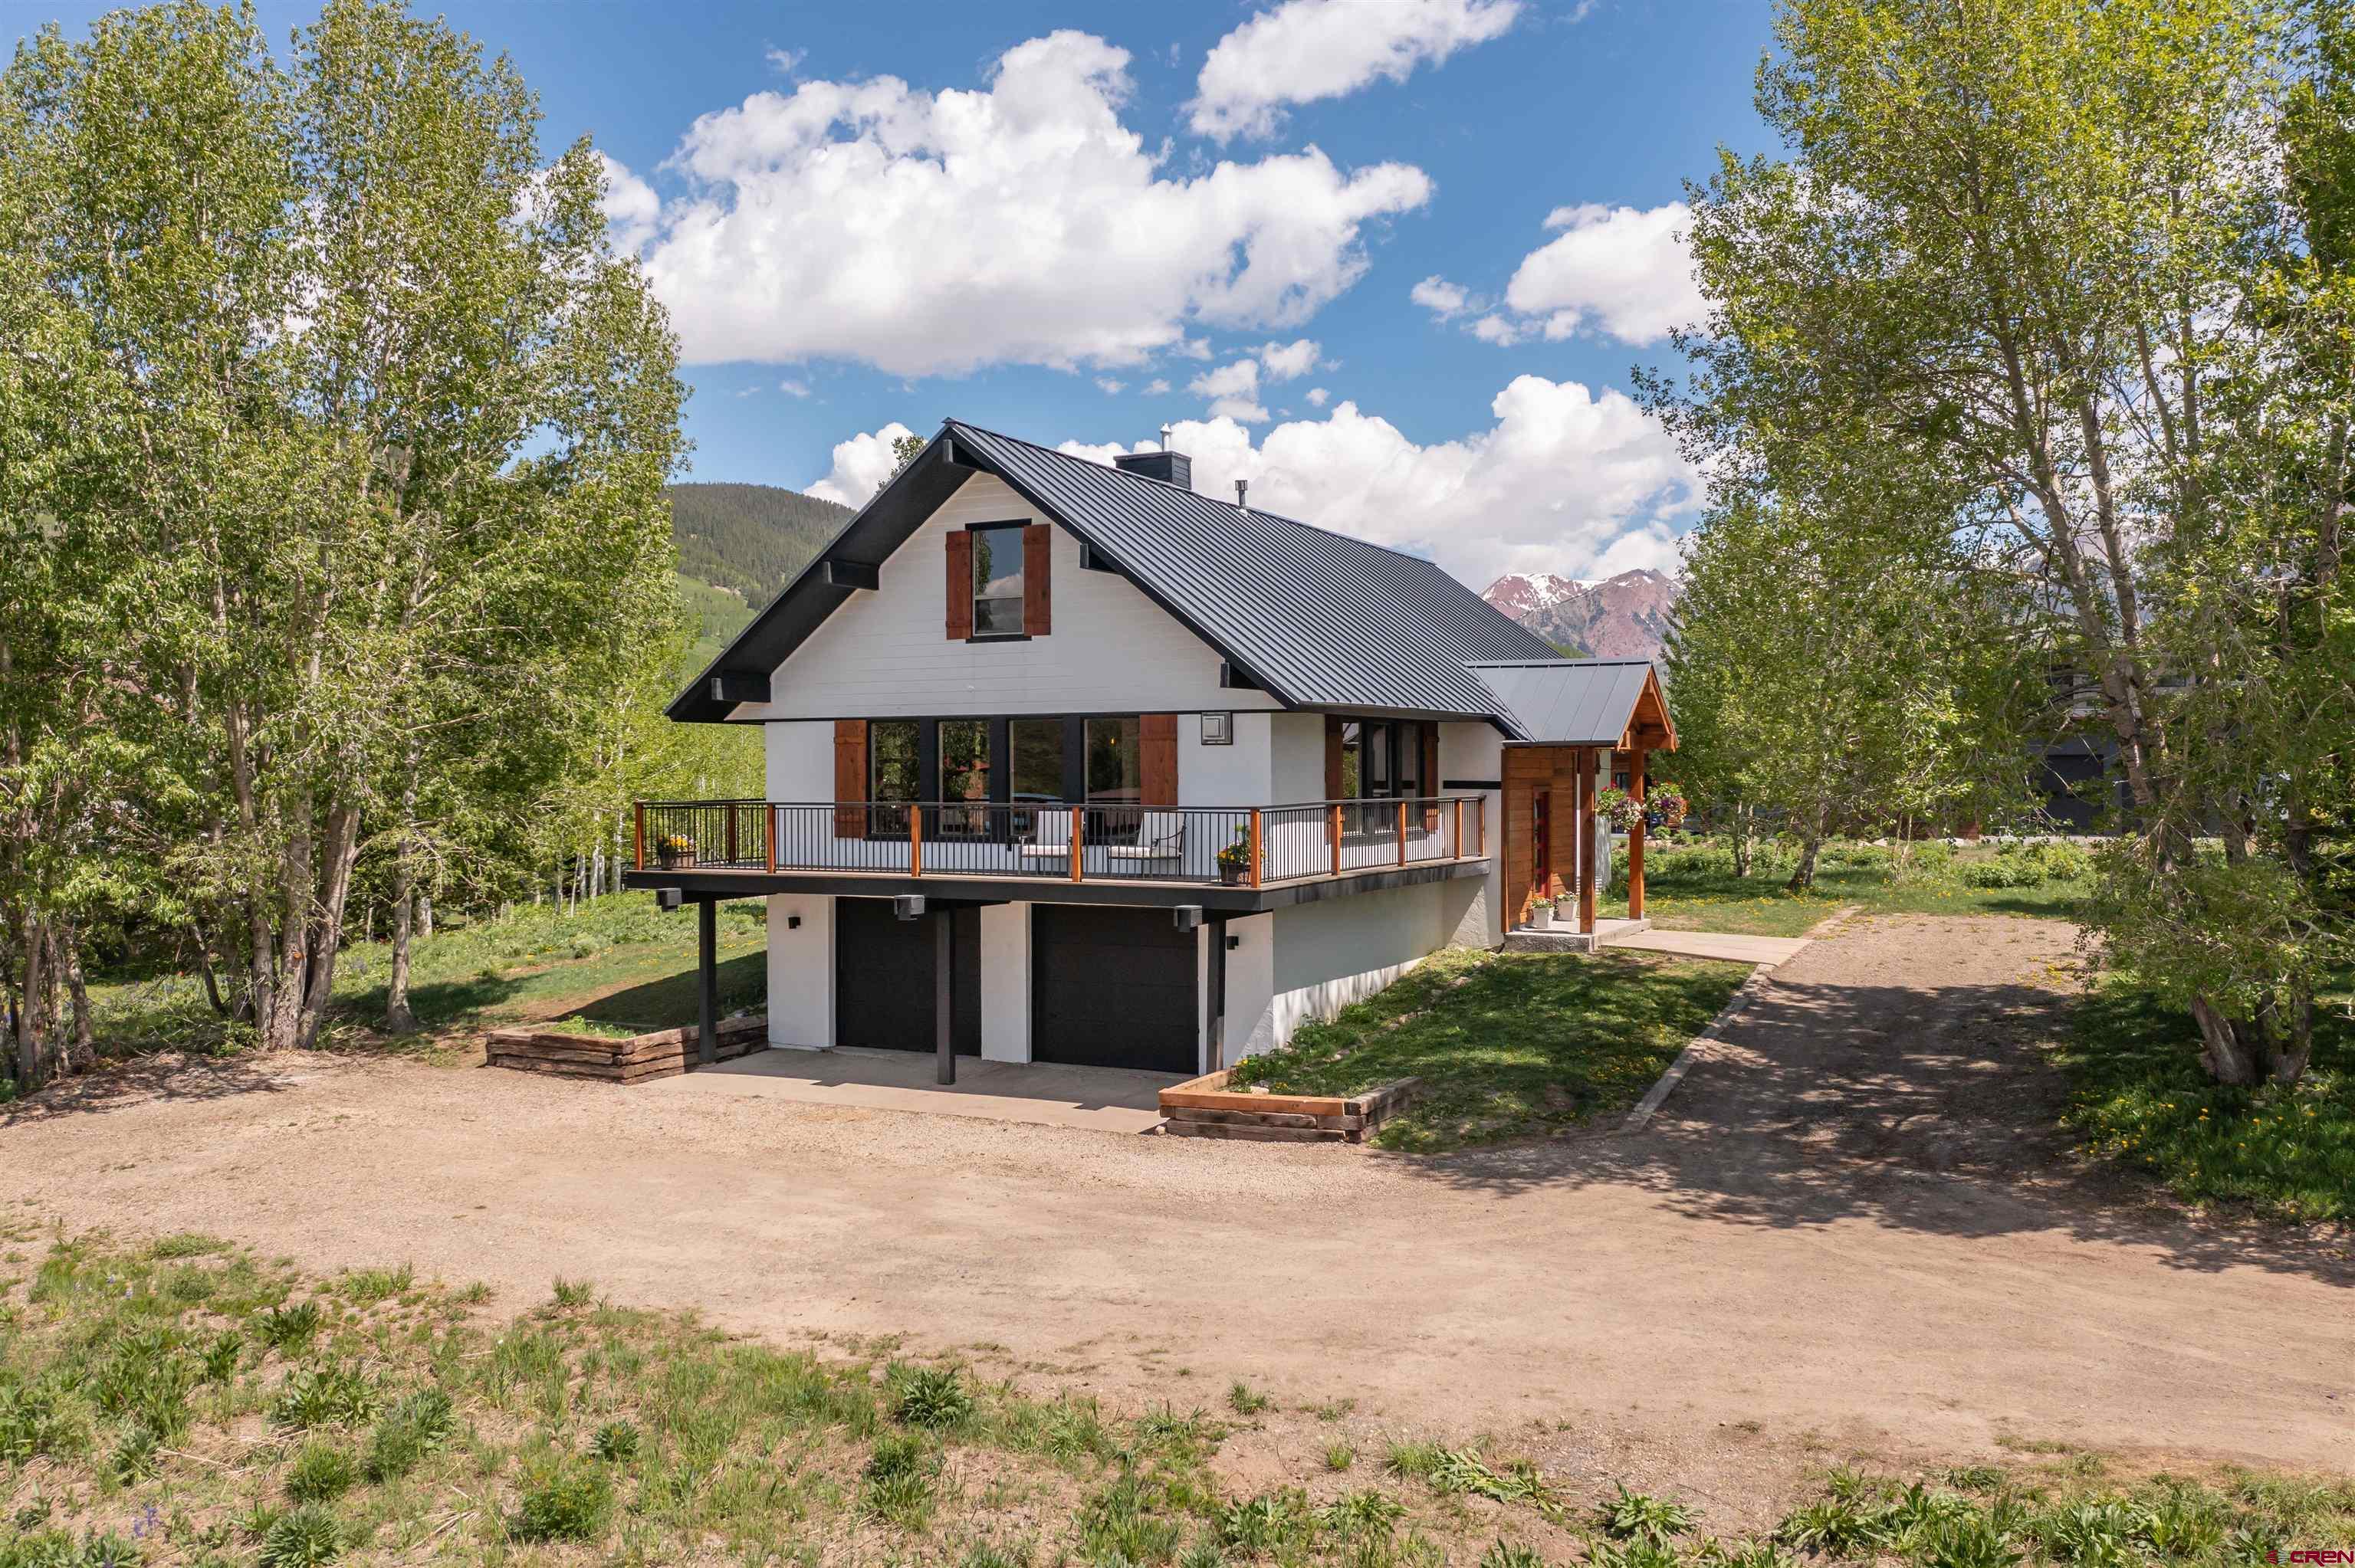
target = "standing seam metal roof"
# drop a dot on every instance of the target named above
(1568, 702)
(1322, 620)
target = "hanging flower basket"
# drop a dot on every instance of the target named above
(1668, 805)
(1619, 808)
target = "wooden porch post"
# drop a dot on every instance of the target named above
(1636, 837)
(1333, 833)
(1254, 847)
(1585, 830)
(638, 839)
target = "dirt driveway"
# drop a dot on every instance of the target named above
(1834, 1233)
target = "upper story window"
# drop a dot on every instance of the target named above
(997, 581)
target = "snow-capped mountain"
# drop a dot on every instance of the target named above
(1624, 616)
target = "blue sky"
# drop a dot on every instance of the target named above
(1389, 259)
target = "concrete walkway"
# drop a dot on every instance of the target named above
(1739, 947)
(1109, 1099)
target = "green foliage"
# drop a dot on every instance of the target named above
(1270, 1524)
(574, 1292)
(752, 538)
(1246, 1401)
(933, 1398)
(416, 1424)
(1631, 1515)
(59, 1549)
(335, 1396)
(563, 1500)
(303, 1537)
(288, 1328)
(322, 1472)
(615, 1441)
(897, 1484)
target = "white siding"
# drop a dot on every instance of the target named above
(1470, 751)
(1234, 775)
(1005, 982)
(800, 761)
(885, 653)
(801, 971)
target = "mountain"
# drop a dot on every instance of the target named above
(1626, 617)
(738, 544)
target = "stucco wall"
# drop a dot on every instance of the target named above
(801, 970)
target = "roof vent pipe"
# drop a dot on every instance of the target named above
(1242, 488)
(1164, 438)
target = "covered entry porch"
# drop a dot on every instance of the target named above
(1593, 725)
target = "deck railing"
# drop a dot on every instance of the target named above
(1249, 846)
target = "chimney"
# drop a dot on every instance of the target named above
(1170, 468)
(1243, 489)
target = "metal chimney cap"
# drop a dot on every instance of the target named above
(1164, 438)
(1242, 488)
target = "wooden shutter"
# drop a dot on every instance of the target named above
(851, 779)
(1332, 757)
(1430, 774)
(1039, 586)
(959, 554)
(1158, 763)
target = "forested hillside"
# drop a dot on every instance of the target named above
(749, 537)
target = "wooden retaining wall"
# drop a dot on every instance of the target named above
(633, 1060)
(1205, 1107)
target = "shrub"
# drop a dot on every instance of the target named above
(39, 1419)
(137, 1456)
(323, 1396)
(321, 1473)
(896, 1485)
(58, 1548)
(1831, 1527)
(933, 1398)
(1963, 1540)
(288, 1328)
(1268, 1524)
(413, 1427)
(1361, 1515)
(147, 1379)
(303, 1537)
(614, 1441)
(221, 1357)
(1641, 1516)
(564, 1501)
(1126, 1520)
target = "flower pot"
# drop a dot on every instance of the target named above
(675, 860)
(1232, 875)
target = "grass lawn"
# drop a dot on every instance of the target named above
(1509, 1045)
(186, 1402)
(1690, 887)
(2140, 1096)
(618, 961)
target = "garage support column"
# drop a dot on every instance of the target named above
(707, 977)
(944, 993)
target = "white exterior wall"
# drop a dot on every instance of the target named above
(1476, 751)
(1250, 988)
(884, 653)
(1005, 982)
(799, 760)
(801, 971)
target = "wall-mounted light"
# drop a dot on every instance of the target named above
(793, 922)
(1218, 729)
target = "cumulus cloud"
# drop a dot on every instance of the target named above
(1440, 297)
(861, 464)
(1157, 387)
(1110, 386)
(1309, 49)
(1317, 396)
(1022, 223)
(631, 206)
(1563, 479)
(1289, 361)
(784, 62)
(1618, 270)
(792, 389)
(1233, 391)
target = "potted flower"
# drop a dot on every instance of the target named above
(1234, 860)
(1541, 914)
(674, 850)
(1619, 808)
(1670, 808)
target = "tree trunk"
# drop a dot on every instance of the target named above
(397, 1018)
(2228, 1056)
(85, 1034)
(1741, 823)
(1803, 875)
(425, 914)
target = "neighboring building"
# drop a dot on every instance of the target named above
(1170, 775)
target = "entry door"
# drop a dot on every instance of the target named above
(883, 978)
(1112, 988)
(1542, 844)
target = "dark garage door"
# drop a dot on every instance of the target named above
(1111, 988)
(883, 977)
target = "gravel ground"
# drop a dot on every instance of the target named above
(1844, 1233)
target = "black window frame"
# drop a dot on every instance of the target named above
(1109, 817)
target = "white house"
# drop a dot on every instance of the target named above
(1068, 763)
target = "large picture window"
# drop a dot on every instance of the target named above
(894, 772)
(965, 776)
(997, 580)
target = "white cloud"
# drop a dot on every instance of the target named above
(1157, 387)
(1317, 396)
(1564, 480)
(1289, 361)
(1022, 223)
(792, 389)
(861, 464)
(1440, 297)
(1309, 49)
(1233, 391)
(785, 61)
(631, 206)
(1496, 330)
(1110, 386)
(1619, 269)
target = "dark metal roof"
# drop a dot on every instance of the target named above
(1569, 702)
(1319, 620)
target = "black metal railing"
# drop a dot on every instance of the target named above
(1062, 840)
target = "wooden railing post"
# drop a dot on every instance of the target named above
(640, 838)
(769, 832)
(1333, 832)
(1254, 847)
(1457, 853)
(1078, 843)
(916, 839)
(1402, 831)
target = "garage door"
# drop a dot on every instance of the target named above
(1111, 988)
(883, 977)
